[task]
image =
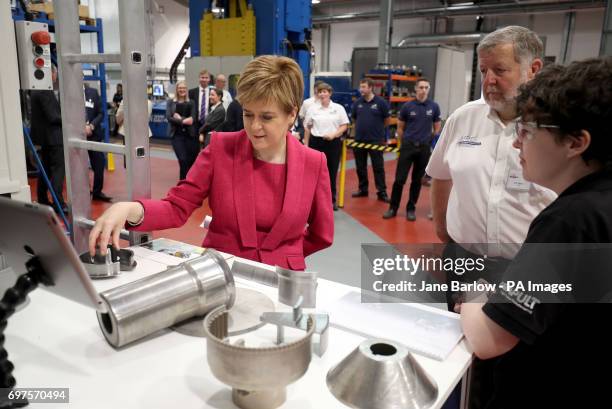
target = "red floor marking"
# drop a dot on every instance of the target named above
(368, 210)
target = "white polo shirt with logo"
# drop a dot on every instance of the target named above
(490, 202)
(324, 120)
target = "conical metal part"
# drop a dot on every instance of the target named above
(381, 374)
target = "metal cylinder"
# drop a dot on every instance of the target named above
(258, 375)
(143, 307)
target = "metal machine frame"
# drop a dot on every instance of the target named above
(283, 27)
(133, 75)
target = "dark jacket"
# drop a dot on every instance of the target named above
(194, 95)
(46, 120)
(214, 120)
(93, 113)
(233, 118)
(174, 123)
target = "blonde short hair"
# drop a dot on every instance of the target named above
(272, 78)
(176, 91)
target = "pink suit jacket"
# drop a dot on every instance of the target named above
(223, 173)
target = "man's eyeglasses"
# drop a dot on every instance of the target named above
(526, 130)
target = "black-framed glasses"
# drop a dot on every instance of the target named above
(526, 129)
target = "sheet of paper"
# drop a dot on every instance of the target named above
(423, 330)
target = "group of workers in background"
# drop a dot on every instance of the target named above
(419, 121)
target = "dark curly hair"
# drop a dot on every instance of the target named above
(575, 98)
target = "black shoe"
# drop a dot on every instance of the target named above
(390, 213)
(382, 196)
(335, 207)
(101, 197)
(410, 215)
(359, 193)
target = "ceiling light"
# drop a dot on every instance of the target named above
(316, 1)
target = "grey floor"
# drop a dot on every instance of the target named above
(342, 261)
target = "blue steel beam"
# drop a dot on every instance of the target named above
(196, 11)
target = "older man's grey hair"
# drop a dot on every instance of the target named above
(527, 45)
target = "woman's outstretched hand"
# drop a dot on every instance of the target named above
(109, 225)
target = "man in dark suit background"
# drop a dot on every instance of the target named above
(200, 95)
(93, 130)
(46, 130)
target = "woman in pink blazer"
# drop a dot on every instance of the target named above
(270, 196)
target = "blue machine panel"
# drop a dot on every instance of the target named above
(196, 12)
(297, 15)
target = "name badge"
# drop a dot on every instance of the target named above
(89, 104)
(516, 181)
(469, 141)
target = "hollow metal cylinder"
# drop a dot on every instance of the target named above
(190, 289)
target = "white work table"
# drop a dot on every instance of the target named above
(54, 342)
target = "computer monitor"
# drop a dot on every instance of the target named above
(29, 229)
(158, 90)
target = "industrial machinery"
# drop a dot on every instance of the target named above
(239, 30)
(444, 66)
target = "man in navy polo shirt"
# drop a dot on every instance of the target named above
(415, 123)
(371, 115)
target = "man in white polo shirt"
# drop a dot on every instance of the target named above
(478, 192)
(479, 197)
(221, 82)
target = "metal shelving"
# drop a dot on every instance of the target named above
(99, 73)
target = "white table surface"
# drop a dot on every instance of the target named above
(54, 342)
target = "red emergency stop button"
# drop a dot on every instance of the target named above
(41, 37)
(39, 62)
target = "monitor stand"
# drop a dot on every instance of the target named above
(13, 297)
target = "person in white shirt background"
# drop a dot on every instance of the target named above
(298, 128)
(479, 197)
(309, 102)
(221, 82)
(324, 124)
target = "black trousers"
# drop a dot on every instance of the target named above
(52, 158)
(97, 161)
(332, 150)
(186, 148)
(415, 156)
(378, 166)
